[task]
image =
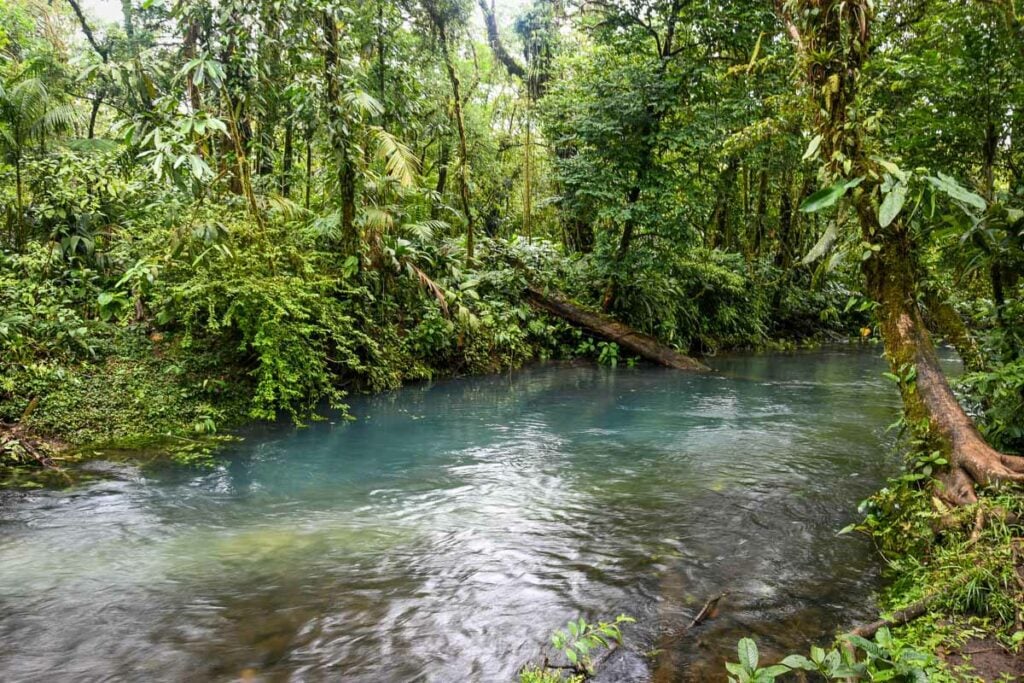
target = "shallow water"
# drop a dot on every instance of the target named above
(444, 534)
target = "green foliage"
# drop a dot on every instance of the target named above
(828, 196)
(883, 659)
(297, 326)
(580, 640)
(699, 301)
(967, 569)
(999, 393)
(538, 675)
(608, 353)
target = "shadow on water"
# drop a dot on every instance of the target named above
(449, 530)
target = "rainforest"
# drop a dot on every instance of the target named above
(512, 340)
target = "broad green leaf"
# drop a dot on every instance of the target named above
(822, 246)
(865, 644)
(892, 168)
(892, 205)
(822, 199)
(747, 650)
(948, 185)
(734, 668)
(812, 148)
(799, 662)
(776, 670)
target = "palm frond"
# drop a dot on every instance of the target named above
(7, 140)
(364, 102)
(424, 230)
(428, 284)
(91, 145)
(27, 92)
(55, 120)
(378, 219)
(400, 162)
(287, 210)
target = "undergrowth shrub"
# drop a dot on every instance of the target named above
(700, 300)
(293, 321)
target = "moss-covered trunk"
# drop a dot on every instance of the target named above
(932, 409)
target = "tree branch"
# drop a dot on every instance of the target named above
(794, 32)
(497, 47)
(103, 52)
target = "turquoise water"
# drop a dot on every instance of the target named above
(444, 534)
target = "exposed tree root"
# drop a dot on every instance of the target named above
(932, 408)
(19, 443)
(898, 618)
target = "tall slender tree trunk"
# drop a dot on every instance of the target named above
(20, 239)
(783, 253)
(309, 167)
(761, 211)
(350, 239)
(625, 241)
(127, 15)
(648, 131)
(527, 180)
(382, 64)
(287, 159)
(93, 112)
(453, 78)
(443, 159)
(717, 232)
(988, 180)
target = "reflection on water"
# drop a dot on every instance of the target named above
(448, 531)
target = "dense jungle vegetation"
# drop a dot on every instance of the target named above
(214, 212)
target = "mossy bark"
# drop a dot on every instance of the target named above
(946, 321)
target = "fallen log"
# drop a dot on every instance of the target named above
(601, 325)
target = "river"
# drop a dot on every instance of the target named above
(448, 530)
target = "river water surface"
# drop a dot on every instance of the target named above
(444, 534)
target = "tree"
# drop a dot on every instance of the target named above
(444, 16)
(832, 39)
(29, 114)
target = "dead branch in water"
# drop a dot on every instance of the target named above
(707, 611)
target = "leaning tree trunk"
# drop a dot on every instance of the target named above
(932, 409)
(832, 38)
(441, 25)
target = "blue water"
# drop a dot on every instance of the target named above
(448, 530)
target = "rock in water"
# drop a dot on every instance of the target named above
(623, 666)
